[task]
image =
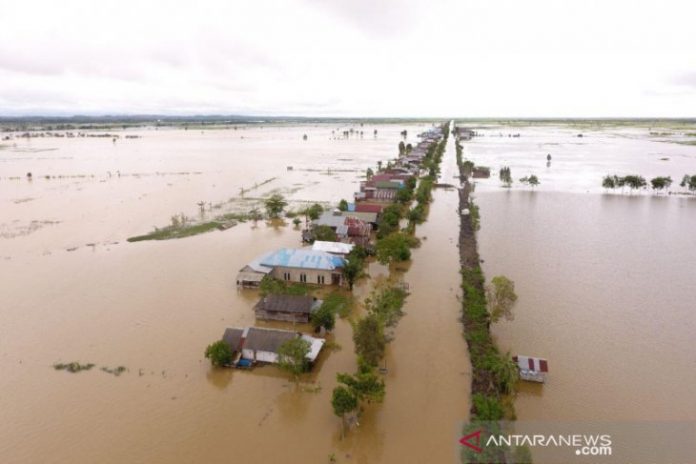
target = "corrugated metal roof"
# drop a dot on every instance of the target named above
(269, 340)
(332, 247)
(286, 303)
(303, 259)
(530, 363)
(256, 265)
(330, 219)
(368, 208)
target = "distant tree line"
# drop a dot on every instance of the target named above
(637, 182)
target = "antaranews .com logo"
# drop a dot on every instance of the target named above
(584, 445)
(578, 442)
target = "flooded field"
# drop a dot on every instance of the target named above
(605, 281)
(74, 290)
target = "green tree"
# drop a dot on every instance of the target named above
(292, 356)
(275, 204)
(297, 221)
(343, 205)
(689, 182)
(404, 195)
(533, 181)
(416, 215)
(324, 317)
(635, 182)
(343, 402)
(660, 183)
(389, 222)
(505, 176)
(370, 341)
(369, 173)
(355, 261)
(402, 148)
(386, 302)
(366, 386)
(468, 167)
(313, 212)
(219, 353)
(501, 298)
(393, 248)
(352, 270)
(609, 182)
(620, 182)
(325, 233)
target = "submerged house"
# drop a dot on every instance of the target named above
(252, 274)
(287, 308)
(354, 226)
(258, 344)
(294, 265)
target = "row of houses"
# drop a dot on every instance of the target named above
(382, 188)
(322, 264)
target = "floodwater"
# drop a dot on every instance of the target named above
(74, 290)
(605, 281)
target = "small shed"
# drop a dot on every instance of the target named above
(252, 274)
(532, 369)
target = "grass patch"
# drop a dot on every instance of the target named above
(171, 232)
(73, 367)
(115, 371)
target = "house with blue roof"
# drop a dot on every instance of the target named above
(302, 265)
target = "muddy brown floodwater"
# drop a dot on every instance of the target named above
(605, 281)
(72, 289)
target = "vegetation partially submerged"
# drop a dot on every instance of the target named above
(636, 182)
(384, 305)
(178, 231)
(384, 308)
(75, 367)
(270, 285)
(494, 374)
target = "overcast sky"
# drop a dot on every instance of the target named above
(627, 58)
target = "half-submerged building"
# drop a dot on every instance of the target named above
(294, 265)
(287, 308)
(256, 344)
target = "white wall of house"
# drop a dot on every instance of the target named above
(312, 275)
(261, 356)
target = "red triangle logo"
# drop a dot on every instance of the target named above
(468, 439)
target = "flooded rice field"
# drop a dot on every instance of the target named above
(73, 289)
(605, 281)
